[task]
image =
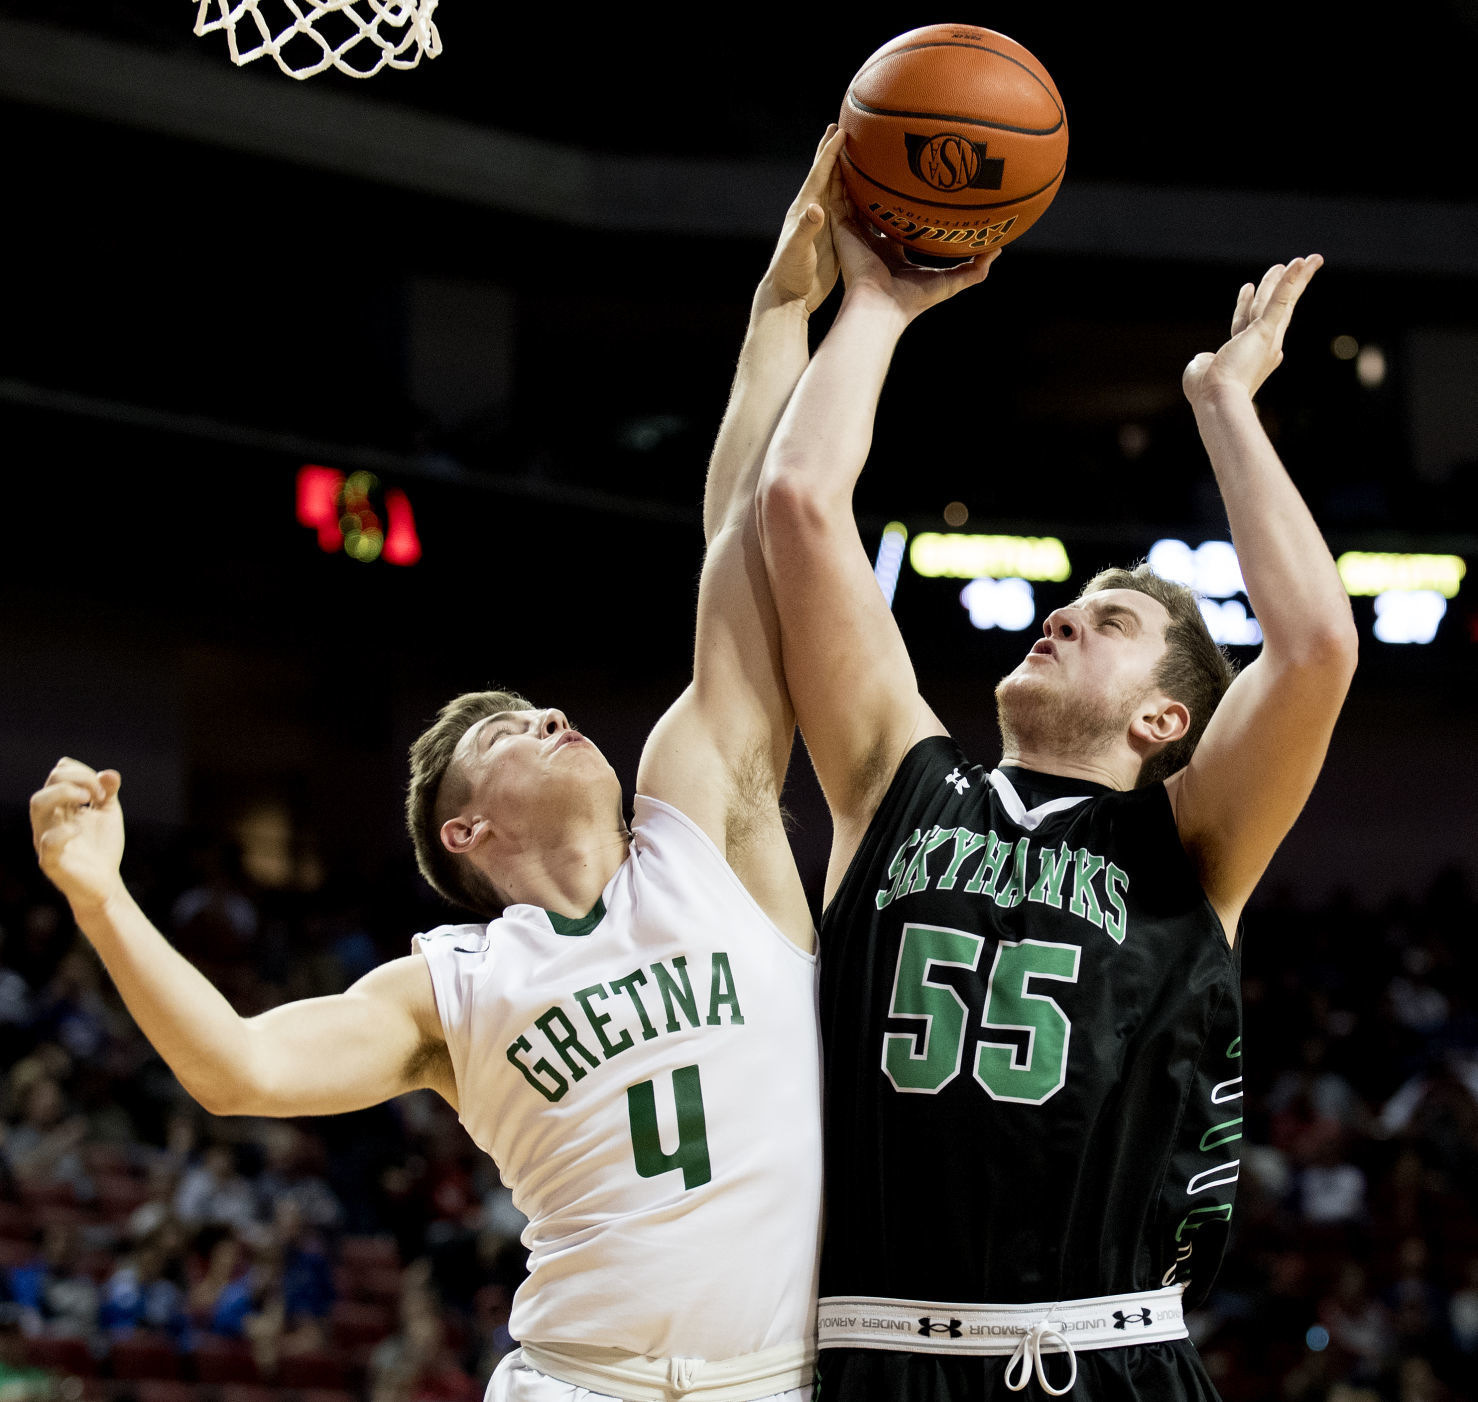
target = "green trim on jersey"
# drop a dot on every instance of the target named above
(582, 925)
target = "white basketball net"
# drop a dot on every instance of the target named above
(358, 37)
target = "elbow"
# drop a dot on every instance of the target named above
(1336, 646)
(787, 505)
(220, 1100)
(1330, 650)
(232, 1086)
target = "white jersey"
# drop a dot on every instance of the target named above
(648, 1081)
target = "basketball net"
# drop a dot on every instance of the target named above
(325, 33)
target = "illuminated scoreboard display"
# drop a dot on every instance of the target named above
(1012, 583)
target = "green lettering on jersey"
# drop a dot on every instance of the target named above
(721, 991)
(1116, 882)
(628, 985)
(691, 1154)
(1223, 1133)
(569, 1040)
(1190, 1222)
(965, 843)
(540, 1067)
(897, 870)
(674, 993)
(1015, 890)
(598, 1021)
(1085, 900)
(1051, 870)
(1235, 1049)
(920, 864)
(991, 868)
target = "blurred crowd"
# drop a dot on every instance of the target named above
(152, 1253)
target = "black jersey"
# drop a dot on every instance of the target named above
(1032, 1024)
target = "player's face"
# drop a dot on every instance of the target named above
(1093, 665)
(531, 767)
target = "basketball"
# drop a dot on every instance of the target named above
(956, 140)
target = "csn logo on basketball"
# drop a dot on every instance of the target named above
(950, 161)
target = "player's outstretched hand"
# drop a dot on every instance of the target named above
(804, 265)
(1255, 349)
(77, 829)
(876, 262)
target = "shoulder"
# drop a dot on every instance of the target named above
(444, 938)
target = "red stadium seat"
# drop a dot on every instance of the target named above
(146, 1355)
(369, 1252)
(16, 1251)
(164, 1390)
(318, 1368)
(357, 1323)
(219, 1360)
(107, 1158)
(254, 1392)
(119, 1193)
(70, 1357)
(368, 1282)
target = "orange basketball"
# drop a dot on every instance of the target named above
(956, 140)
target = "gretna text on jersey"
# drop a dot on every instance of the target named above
(1002, 872)
(558, 1031)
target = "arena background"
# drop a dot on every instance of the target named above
(511, 285)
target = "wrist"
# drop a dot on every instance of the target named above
(1221, 396)
(101, 912)
(877, 305)
(772, 301)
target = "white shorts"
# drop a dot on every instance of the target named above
(515, 1380)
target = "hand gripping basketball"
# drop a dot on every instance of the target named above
(871, 264)
(1259, 324)
(804, 265)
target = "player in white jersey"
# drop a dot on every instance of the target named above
(631, 1033)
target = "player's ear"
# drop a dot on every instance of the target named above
(461, 834)
(1160, 722)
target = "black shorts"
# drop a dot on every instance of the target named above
(1164, 1372)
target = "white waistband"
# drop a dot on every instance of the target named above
(1024, 1331)
(638, 1379)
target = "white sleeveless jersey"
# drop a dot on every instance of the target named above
(648, 1081)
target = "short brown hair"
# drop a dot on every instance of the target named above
(1194, 671)
(451, 877)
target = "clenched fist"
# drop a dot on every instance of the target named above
(77, 828)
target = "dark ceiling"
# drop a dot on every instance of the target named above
(390, 272)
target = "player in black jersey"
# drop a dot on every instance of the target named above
(1029, 979)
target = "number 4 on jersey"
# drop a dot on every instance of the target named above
(691, 1154)
(928, 1059)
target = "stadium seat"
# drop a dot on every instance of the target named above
(369, 1252)
(146, 1355)
(163, 1390)
(318, 1368)
(357, 1323)
(221, 1360)
(70, 1357)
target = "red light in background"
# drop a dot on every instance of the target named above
(318, 504)
(402, 544)
(330, 503)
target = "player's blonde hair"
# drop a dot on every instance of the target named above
(1194, 671)
(434, 793)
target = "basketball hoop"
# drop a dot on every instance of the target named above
(358, 37)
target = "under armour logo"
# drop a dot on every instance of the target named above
(960, 782)
(929, 1326)
(1143, 1316)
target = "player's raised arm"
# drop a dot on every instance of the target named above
(1257, 762)
(848, 671)
(319, 1056)
(721, 752)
